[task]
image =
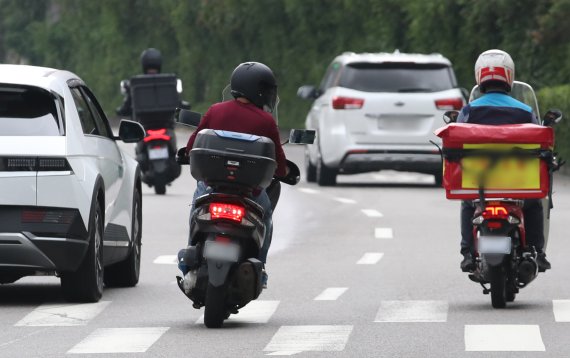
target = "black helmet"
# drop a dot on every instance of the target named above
(151, 58)
(256, 82)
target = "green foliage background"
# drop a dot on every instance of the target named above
(203, 40)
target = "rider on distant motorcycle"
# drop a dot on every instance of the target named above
(254, 88)
(495, 73)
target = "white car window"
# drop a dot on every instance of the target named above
(28, 111)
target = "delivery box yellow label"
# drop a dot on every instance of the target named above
(505, 174)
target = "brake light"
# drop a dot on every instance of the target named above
(158, 134)
(347, 103)
(227, 211)
(496, 212)
(494, 224)
(47, 216)
(449, 104)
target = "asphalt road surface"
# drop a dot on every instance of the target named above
(368, 268)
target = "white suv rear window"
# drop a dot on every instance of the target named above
(397, 77)
(28, 111)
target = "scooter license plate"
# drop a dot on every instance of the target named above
(221, 252)
(158, 153)
(494, 245)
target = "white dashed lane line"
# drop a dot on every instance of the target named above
(53, 315)
(166, 260)
(254, 312)
(412, 311)
(370, 258)
(561, 310)
(372, 213)
(331, 294)
(309, 191)
(119, 340)
(503, 338)
(345, 200)
(383, 233)
(296, 339)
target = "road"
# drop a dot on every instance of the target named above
(369, 268)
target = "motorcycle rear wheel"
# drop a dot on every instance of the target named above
(215, 311)
(498, 280)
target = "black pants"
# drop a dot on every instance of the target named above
(533, 224)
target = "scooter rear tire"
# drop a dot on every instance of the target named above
(498, 281)
(215, 311)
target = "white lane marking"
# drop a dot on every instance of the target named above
(331, 294)
(166, 260)
(309, 338)
(372, 213)
(345, 200)
(63, 314)
(254, 312)
(370, 258)
(503, 338)
(309, 191)
(119, 340)
(561, 310)
(412, 311)
(283, 353)
(383, 233)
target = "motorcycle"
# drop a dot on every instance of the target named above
(504, 259)
(227, 230)
(154, 99)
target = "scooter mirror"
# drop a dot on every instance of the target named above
(450, 117)
(552, 117)
(187, 118)
(302, 136)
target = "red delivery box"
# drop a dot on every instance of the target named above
(510, 161)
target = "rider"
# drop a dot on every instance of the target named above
(254, 89)
(495, 73)
(151, 61)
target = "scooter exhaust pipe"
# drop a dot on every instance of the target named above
(528, 269)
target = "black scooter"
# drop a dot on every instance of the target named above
(227, 225)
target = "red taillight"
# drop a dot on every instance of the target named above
(494, 224)
(159, 134)
(227, 211)
(449, 104)
(496, 212)
(47, 217)
(347, 103)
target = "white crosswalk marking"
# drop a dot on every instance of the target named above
(345, 200)
(63, 314)
(254, 312)
(370, 258)
(309, 191)
(372, 213)
(119, 340)
(412, 311)
(295, 339)
(166, 260)
(503, 338)
(331, 294)
(383, 233)
(561, 310)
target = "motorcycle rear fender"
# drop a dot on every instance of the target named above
(218, 272)
(493, 260)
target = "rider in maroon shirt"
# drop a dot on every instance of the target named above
(241, 115)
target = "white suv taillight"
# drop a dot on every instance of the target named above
(449, 104)
(347, 103)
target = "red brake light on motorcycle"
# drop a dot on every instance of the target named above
(449, 104)
(223, 239)
(494, 224)
(158, 134)
(347, 103)
(496, 212)
(227, 211)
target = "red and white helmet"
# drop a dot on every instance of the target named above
(495, 65)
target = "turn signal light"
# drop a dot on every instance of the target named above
(227, 211)
(158, 134)
(347, 103)
(449, 104)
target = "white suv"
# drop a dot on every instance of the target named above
(376, 111)
(70, 198)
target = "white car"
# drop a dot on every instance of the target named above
(70, 199)
(375, 111)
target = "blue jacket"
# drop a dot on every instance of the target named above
(496, 108)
